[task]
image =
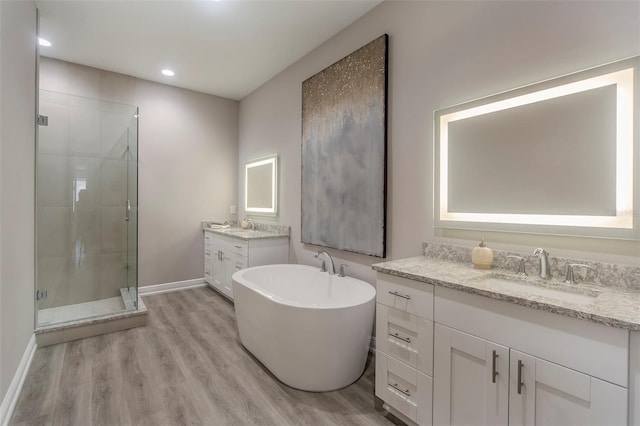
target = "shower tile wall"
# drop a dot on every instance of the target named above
(81, 235)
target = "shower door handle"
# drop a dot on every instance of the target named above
(126, 216)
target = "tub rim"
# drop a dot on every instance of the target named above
(238, 277)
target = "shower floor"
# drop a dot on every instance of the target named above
(79, 311)
(66, 323)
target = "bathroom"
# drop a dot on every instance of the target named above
(440, 54)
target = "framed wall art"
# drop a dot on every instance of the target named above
(344, 139)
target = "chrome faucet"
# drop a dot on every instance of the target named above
(328, 265)
(569, 279)
(252, 225)
(545, 269)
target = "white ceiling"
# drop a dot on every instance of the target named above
(226, 48)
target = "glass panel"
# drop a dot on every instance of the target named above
(132, 214)
(83, 183)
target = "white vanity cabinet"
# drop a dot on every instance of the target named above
(544, 393)
(471, 384)
(224, 255)
(480, 382)
(450, 357)
(404, 347)
(500, 363)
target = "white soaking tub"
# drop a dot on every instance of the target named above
(309, 328)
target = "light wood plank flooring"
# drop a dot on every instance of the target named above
(187, 367)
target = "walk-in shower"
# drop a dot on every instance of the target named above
(86, 208)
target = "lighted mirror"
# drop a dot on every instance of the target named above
(557, 157)
(261, 184)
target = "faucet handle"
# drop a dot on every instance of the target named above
(323, 267)
(521, 265)
(569, 279)
(342, 266)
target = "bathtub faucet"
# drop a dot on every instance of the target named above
(327, 263)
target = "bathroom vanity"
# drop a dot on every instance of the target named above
(458, 345)
(227, 250)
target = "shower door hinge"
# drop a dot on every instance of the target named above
(43, 120)
(41, 294)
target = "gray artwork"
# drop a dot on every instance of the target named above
(344, 153)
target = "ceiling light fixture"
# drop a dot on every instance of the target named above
(43, 42)
(168, 72)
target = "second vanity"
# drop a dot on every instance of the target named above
(229, 249)
(458, 345)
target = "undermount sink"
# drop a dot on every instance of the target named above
(552, 290)
(241, 231)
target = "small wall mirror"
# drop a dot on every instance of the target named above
(557, 157)
(261, 184)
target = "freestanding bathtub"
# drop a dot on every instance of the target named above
(309, 328)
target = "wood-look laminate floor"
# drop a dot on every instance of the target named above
(187, 367)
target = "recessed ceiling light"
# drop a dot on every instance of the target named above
(168, 72)
(43, 42)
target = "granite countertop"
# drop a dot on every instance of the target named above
(262, 231)
(613, 306)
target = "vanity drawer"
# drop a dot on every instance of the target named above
(405, 295)
(404, 388)
(208, 241)
(208, 264)
(406, 337)
(239, 247)
(239, 262)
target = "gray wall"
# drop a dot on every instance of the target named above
(17, 150)
(441, 54)
(187, 163)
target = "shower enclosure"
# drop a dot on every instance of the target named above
(86, 209)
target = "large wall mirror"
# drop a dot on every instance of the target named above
(557, 157)
(261, 186)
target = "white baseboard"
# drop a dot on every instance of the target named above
(13, 393)
(168, 287)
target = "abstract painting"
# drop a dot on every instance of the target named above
(344, 153)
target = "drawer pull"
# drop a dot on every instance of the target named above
(494, 371)
(395, 386)
(520, 383)
(397, 336)
(238, 247)
(404, 296)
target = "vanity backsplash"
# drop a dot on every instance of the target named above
(604, 274)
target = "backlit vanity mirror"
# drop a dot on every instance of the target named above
(557, 157)
(261, 183)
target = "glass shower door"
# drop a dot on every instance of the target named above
(86, 176)
(132, 209)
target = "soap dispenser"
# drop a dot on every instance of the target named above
(482, 256)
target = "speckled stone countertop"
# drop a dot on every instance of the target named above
(616, 305)
(261, 231)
